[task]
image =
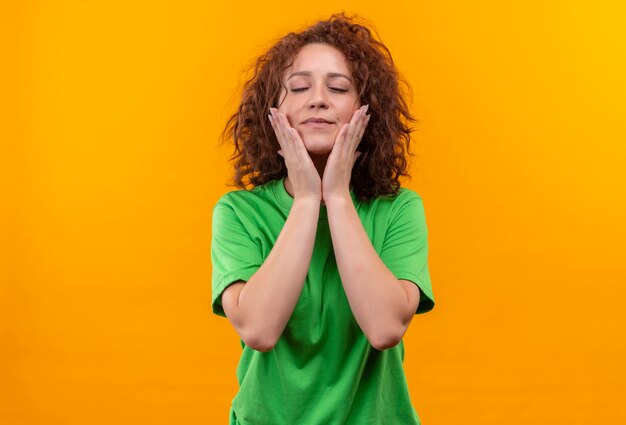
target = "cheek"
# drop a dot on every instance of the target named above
(347, 116)
(291, 121)
(351, 108)
(285, 105)
(287, 113)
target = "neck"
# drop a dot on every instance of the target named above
(320, 163)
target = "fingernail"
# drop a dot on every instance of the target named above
(366, 108)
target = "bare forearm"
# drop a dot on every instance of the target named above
(375, 296)
(269, 297)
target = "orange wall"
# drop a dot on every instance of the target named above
(111, 167)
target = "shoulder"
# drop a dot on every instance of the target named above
(389, 210)
(243, 198)
(395, 202)
(406, 195)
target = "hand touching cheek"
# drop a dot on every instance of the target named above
(300, 168)
(338, 171)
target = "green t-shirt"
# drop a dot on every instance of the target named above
(322, 370)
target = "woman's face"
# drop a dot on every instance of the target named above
(320, 96)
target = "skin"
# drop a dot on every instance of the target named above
(319, 160)
(319, 84)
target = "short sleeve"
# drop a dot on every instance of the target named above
(234, 254)
(405, 248)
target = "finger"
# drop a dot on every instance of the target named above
(288, 144)
(359, 137)
(286, 128)
(345, 143)
(341, 136)
(360, 130)
(277, 123)
(354, 125)
(300, 149)
(296, 142)
(277, 130)
(361, 120)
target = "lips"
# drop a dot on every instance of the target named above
(317, 120)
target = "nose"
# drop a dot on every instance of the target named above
(318, 98)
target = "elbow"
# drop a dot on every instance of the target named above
(263, 348)
(385, 340)
(385, 344)
(259, 342)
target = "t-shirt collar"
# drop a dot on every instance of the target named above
(285, 200)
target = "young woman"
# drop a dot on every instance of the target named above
(321, 265)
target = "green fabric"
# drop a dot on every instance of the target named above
(322, 371)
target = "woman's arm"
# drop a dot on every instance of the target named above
(382, 305)
(260, 309)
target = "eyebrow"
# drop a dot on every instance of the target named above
(330, 75)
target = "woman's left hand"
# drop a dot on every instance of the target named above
(336, 179)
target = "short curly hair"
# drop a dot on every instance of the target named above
(386, 141)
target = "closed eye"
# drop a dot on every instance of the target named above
(335, 89)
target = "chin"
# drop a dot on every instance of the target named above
(318, 145)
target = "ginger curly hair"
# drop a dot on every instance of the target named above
(386, 141)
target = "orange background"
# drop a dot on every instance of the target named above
(111, 168)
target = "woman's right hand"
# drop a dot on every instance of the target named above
(302, 173)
